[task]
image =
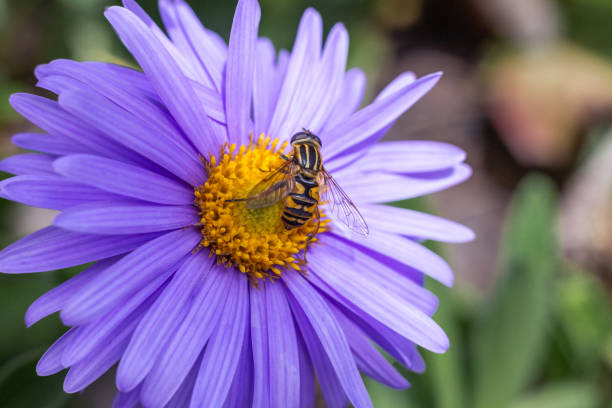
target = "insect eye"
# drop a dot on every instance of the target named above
(297, 136)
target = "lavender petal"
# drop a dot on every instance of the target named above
(120, 218)
(284, 379)
(55, 299)
(123, 179)
(366, 122)
(415, 224)
(51, 191)
(189, 339)
(54, 248)
(221, 358)
(28, 163)
(240, 69)
(331, 336)
(122, 279)
(261, 353)
(167, 78)
(160, 322)
(51, 144)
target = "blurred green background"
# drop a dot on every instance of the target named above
(527, 92)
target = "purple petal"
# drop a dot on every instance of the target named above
(411, 157)
(144, 104)
(266, 85)
(395, 313)
(119, 218)
(353, 88)
(408, 252)
(284, 366)
(135, 8)
(167, 78)
(161, 321)
(48, 115)
(126, 399)
(385, 187)
(261, 359)
(335, 396)
(211, 100)
(55, 299)
(362, 267)
(326, 87)
(241, 392)
(103, 358)
(182, 396)
(369, 120)
(400, 348)
(189, 339)
(59, 84)
(51, 144)
(306, 50)
(105, 77)
(51, 362)
(368, 359)
(93, 336)
(128, 275)
(28, 163)
(307, 381)
(54, 248)
(331, 336)
(124, 179)
(211, 52)
(168, 12)
(185, 65)
(221, 356)
(135, 134)
(51, 191)
(401, 81)
(415, 224)
(240, 69)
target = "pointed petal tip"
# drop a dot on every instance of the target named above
(31, 317)
(125, 383)
(40, 70)
(16, 99)
(43, 370)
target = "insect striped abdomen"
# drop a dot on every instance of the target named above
(301, 203)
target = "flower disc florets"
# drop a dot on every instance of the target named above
(253, 240)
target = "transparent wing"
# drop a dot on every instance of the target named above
(274, 187)
(341, 205)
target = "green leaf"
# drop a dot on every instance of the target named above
(509, 330)
(583, 311)
(20, 387)
(560, 395)
(446, 371)
(383, 396)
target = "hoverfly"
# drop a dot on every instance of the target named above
(300, 182)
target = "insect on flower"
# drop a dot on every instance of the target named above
(121, 160)
(301, 181)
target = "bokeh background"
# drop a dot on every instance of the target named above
(527, 92)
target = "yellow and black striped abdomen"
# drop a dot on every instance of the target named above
(301, 203)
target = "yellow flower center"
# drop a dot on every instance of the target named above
(255, 241)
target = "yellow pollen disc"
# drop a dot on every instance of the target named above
(255, 241)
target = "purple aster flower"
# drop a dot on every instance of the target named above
(201, 299)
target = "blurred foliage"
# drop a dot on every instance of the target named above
(588, 23)
(540, 339)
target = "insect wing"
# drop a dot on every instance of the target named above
(273, 188)
(341, 205)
